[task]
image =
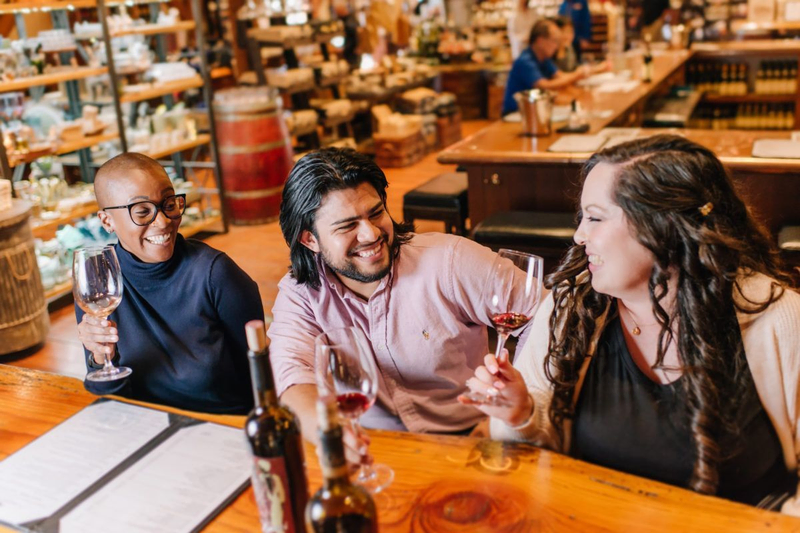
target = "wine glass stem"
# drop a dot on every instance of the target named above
(107, 358)
(365, 469)
(501, 342)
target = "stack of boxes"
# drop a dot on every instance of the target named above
(425, 122)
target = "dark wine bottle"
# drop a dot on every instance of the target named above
(279, 476)
(339, 506)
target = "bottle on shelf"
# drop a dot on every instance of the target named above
(647, 61)
(339, 506)
(279, 477)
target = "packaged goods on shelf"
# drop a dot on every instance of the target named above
(329, 27)
(302, 121)
(14, 64)
(282, 34)
(5, 195)
(418, 101)
(286, 78)
(332, 70)
(52, 40)
(333, 109)
(165, 72)
(399, 151)
(87, 30)
(347, 142)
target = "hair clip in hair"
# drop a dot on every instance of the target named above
(706, 209)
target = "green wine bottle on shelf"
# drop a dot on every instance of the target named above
(279, 477)
(339, 506)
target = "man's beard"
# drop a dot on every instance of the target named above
(350, 270)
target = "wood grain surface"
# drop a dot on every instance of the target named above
(442, 483)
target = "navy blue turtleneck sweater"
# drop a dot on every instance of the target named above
(181, 330)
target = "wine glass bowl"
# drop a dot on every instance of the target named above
(513, 290)
(346, 370)
(97, 288)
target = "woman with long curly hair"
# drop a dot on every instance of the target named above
(669, 345)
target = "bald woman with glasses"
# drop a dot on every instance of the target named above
(180, 326)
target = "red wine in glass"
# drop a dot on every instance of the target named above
(507, 323)
(352, 404)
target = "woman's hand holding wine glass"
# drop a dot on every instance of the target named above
(97, 288)
(513, 292)
(499, 380)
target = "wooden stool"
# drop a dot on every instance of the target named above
(545, 234)
(441, 198)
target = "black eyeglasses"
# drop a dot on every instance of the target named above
(145, 212)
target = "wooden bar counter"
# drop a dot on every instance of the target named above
(442, 483)
(510, 171)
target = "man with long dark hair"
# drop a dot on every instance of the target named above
(418, 298)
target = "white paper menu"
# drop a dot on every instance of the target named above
(52, 470)
(174, 488)
(123, 468)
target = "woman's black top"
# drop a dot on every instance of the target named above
(626, 421)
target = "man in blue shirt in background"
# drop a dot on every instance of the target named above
(534, 68)
(578, 11)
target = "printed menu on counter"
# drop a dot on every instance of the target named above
(124, 468)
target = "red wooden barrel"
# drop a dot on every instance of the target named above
(255, 153)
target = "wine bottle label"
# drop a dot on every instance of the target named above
(271, 487)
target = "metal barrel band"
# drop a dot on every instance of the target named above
(10, 253)
(253, 195)
(263, 147)
(237, 117)
(25, 319)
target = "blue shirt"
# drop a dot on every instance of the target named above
(181, 330)
(525, 73)
(578, 11)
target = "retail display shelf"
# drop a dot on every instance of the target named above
(77, 73)
(160, 89)
(175, 148)
(44, 229)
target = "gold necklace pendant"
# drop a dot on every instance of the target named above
(636, 331)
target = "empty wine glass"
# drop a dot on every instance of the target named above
(97, 287)
(346, 369)
(512, 294)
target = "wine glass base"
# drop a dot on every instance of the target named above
(485, 399)
(376, 478)
(112, 374)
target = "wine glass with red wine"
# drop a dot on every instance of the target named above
(346, 370)
(97, 288)
(513, 291)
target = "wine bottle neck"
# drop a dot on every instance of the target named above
(332, 458)
(263, 383)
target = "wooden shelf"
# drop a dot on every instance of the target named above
(262, 37)
(713, 98)
(156, 29)
(327, 37)
(50, 5)
(48, 79)
(221, 72)
(58, 291)
(745, 26)
(86, 142)
(49, 226)
(301, 88)
(160, 89)
(144, 29)
(199, 226)
(201, 139)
